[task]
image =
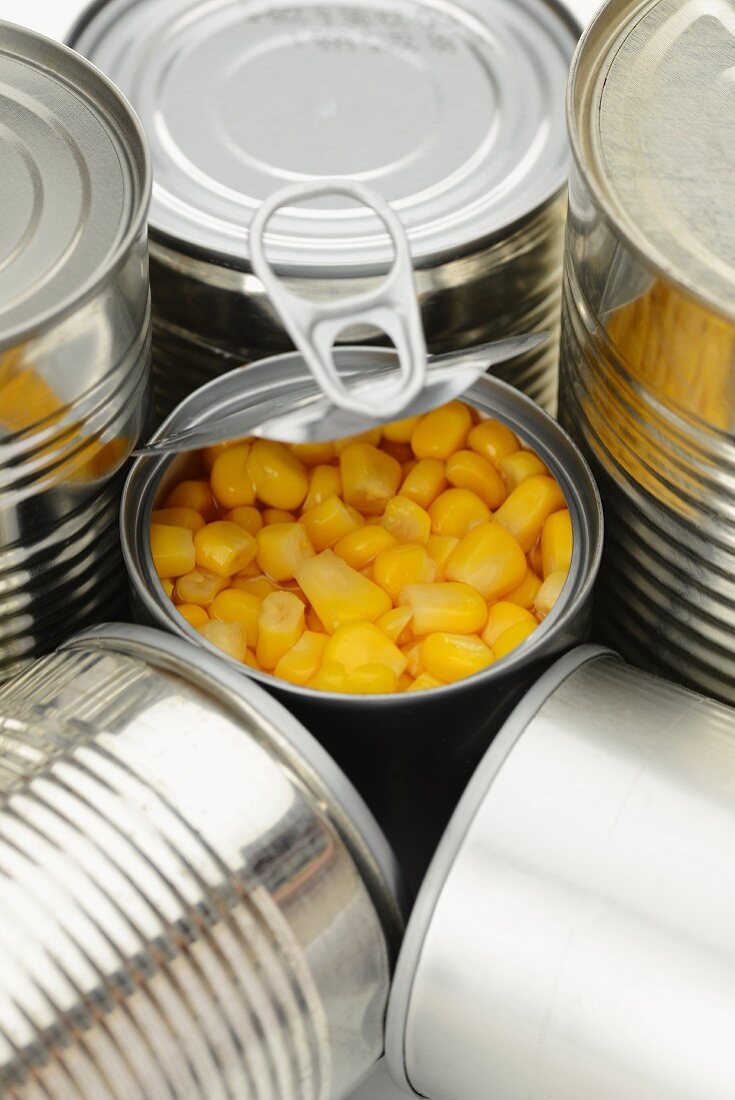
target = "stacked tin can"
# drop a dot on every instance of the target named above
(648, 346)
(74, 338)
(454, 114)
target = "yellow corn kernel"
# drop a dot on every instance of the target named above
(441, 548)
(229, 637)
(168, 587)
(489, 559)
(501, 617)
(372, 679)
(198, 587)
(252, 661)
(493, 440)
(519, 465)
(211, 454)
(457, 511)
(280, 549)
(525, 510)
(395, 625)
(193, 494)
(412, 463)
(172, 549)
(280, 479)
(324, 481)
(451, 657)
(252, 569)
(372, 437)
(277, 515)
(224, 548)
(412, 653)
(328, 522)
(511, 638)
(469, 470)
(235, 606)
(398, 566)
(303, 659)
(370, 477)
(313, 622)
(280, 625)
(407, 521)
(231, 482)
(404, 682)
(330, 677)
(259, 585)
(441, 432)
(338, 593)
(424, 681)
(556, 543)
(424, 482)
(246, 516)
(195, 615)
(314, 454)
(359, 644)
(448, 607)
(178, 517)
(525, 593)
(359, 547)
(549, 593)
(534, 559)
(400, 431)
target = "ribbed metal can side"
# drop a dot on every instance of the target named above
(666, 594)
(185, 919)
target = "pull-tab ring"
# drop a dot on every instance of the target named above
(314, 326)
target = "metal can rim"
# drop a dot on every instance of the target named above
(138, 221)
(144, 477)
(437, 876)
(291, 744)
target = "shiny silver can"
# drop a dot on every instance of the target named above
(409, 756)
(74, 338)
(195, 901)
(648, 342)
(454, 113)
(574, 937)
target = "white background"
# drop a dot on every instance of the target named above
(54, 18)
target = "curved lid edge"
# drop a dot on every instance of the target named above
(326, 782)
(431, 889)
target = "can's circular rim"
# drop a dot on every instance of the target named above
(294, 747)
(138, 498)
(76, 300)
(438, 874)
(579, 122)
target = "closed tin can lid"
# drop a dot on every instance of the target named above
(455, 113)
(74, 182)
(651, 120)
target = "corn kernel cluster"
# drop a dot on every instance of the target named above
(399, 560)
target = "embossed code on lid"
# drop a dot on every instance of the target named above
(455, 113)
(73, 183)
(657, 131)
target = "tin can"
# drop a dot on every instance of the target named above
(454, 114)
(409, 755)
(648, 344)
(574, 936)
(195, 902)
(74, 338)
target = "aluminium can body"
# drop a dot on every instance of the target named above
(195, 902)
(75, 341)
(648, 340)
(409, 755)
(454, 114)
(575, 936)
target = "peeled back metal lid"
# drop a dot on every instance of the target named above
(74, 180)
(652, 105)
(455, 113)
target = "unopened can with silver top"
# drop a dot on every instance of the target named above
(648, 345)
(74, 337)
(575, 935)
(194, 900)
(455, 114)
